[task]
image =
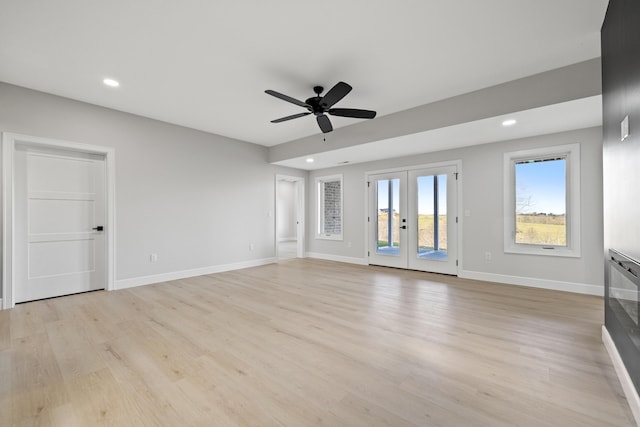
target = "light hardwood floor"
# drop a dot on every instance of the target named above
(309, 342)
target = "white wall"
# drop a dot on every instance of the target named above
(196, 199)
(482, 195)
(287, 212)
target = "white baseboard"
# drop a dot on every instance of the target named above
(165, 277)
(629, 389)
(579, 288)
(329, 257)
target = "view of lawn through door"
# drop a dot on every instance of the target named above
(388, 230)
(432, 216)
(412, 221)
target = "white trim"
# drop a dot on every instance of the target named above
(629, 389)
(367, 214)
(415, 167)
(556, 285)
(338, 258)
(176, 275)
(573, 201)
(9, 141)
(459, 213)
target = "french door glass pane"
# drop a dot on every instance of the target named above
(432, 217)
(387, 225)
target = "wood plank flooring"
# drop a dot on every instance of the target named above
(310, 343)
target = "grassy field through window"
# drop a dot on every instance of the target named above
(425, 230)
(541, 229)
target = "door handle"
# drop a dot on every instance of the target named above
(404, 227)
(98, 228)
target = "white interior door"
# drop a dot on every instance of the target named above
(413, 219)
(388, 219)
(59, 221)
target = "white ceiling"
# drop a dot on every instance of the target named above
(206, 64)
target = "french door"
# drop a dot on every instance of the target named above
(413, 219)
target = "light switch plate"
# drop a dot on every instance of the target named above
(624, 128)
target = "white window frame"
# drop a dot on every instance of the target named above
(320, 233)
(572, 154)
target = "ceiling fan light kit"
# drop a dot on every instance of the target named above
(320, 106)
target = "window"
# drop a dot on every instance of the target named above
(329, 216)
(542, 201)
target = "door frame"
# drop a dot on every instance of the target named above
(459, 209)
(9, 143)
(300, 213)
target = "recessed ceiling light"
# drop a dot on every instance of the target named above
(309, 160)
(509, 122)
(111, 82)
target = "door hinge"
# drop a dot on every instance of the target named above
(456, 220)
(456, 174)
(368, 219)
(368, 184)
(456, 263)
(368, 253)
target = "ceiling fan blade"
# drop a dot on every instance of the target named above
(335, 94)
(295, 116)
(285, 98)
(325, 124)
(352, 112)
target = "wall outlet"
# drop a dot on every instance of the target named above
(487, 256)
(153, 257)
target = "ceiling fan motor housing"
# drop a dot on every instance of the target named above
(315, 105)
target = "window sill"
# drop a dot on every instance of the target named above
(329, 236)
(540, 250)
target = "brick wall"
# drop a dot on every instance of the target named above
(332, 208)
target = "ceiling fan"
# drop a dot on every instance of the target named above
(319, 105)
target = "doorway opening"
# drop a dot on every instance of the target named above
(289, 230)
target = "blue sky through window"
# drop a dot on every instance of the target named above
(541, 187)
(383, 194)
(425, 194)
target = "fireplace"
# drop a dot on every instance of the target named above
(622, 289)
